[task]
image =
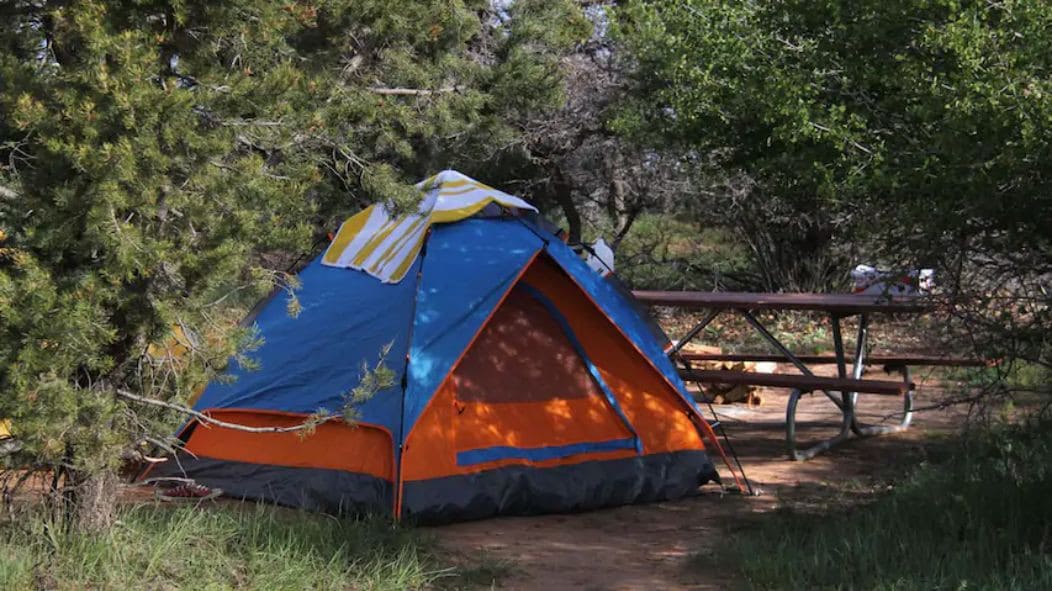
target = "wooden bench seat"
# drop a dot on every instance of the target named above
(889, 360)
(803, 383)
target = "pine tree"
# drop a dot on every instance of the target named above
(157, 158)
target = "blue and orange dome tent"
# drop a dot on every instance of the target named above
(524, 381)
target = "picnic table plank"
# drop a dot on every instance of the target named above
(894, 360)
(796, 382)
(837, 303)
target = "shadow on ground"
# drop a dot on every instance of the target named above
(669, 545)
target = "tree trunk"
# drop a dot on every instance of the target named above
(95, 501)
(563, 192)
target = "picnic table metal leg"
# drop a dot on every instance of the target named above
(861, 429)
(861, 340)
(847, 398)
(907, 399)
(694, 332)
(770, 338)
(846, 407)
(864, 430)
(844, 404)
(790, 433)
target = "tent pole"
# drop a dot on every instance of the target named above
(405, 383)
(723, 434)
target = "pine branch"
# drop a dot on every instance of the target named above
(414, 91)
(9, 445)
(138, 456)
(312, 422)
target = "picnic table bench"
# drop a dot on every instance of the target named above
(842, 390)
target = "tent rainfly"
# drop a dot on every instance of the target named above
(524, 381)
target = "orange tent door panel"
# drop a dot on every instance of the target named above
(544, 412)
(504, 404)
(512, 403)
(654, 408)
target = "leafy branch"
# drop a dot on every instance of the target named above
(379, 377)
(308, 425)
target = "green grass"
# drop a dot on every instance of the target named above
(224, 547)
(663, 252)
(980, 518)
(484, 571)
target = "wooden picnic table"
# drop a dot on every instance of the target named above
(842, 390)
(833, 303)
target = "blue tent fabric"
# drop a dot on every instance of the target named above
(468, 268)
(311, 361)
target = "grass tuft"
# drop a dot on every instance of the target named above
(483, 571)
(981, 519)
(218, 547)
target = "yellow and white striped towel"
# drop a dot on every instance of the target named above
(385, 247)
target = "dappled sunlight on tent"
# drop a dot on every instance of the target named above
(651, 404)
(518, 381)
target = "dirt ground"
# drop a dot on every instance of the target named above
(664, 546)
(655, 546)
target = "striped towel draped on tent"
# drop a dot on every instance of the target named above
(385, 247)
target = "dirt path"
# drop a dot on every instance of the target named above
(651, 546)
